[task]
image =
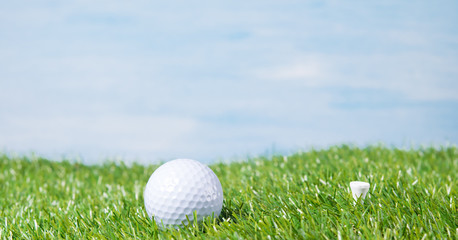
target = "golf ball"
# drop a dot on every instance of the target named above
(178, 188)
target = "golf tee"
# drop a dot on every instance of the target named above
(359, 190)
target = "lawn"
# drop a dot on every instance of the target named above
(303, 195)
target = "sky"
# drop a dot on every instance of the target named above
(150, 81)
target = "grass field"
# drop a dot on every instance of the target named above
(305, 195)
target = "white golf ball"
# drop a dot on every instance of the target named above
(178, 188)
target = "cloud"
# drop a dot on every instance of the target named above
(307, 72)
(416, 76)
(100, 135)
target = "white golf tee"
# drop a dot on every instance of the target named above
(359, 189)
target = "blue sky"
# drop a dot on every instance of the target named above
(149, 81)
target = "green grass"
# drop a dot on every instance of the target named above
(306, 195)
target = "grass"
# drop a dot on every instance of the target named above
(305, 195)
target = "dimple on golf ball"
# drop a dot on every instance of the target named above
(178, 188)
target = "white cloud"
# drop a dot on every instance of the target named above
(308, 72)
(415, 75)
(103, 135)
